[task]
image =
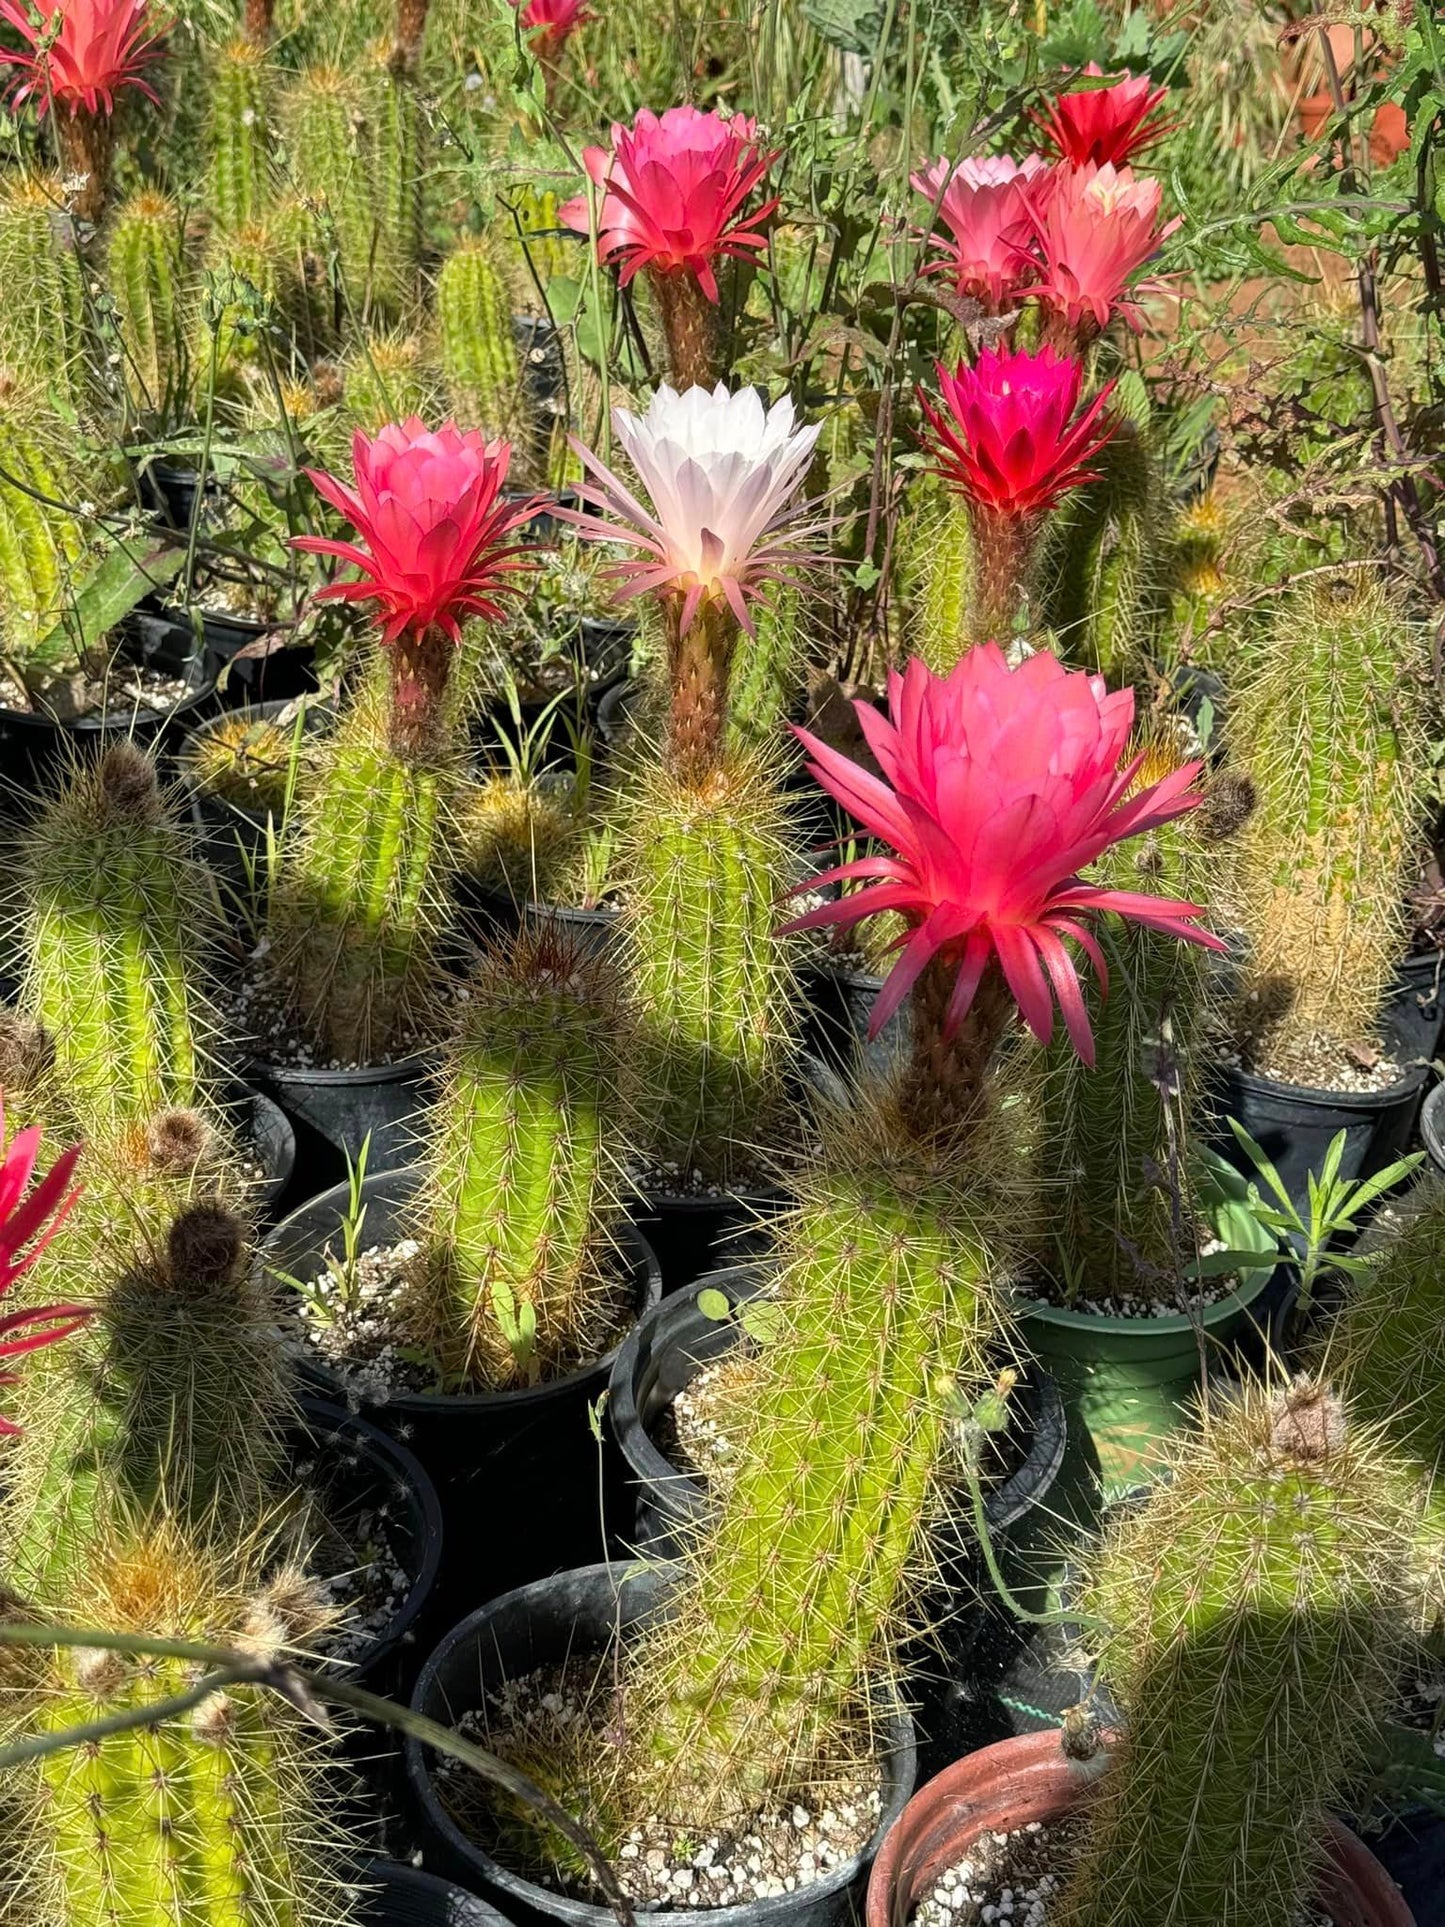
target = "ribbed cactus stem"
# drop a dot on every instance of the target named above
(411, 17)
(39, 542)
(362, 897)
(479, 353)
(944, 1090)
(525, 1165)
(948, 570)
(1002, 550)
(398, 165)
(42, 316)
(1387, 1348)
(766, 672)
(146, 281)
(798, 1588)
(385, 381)
(116, 941)
(699, 663)
(712, 984)
(692, 328)
(549, 251)
(241, 134)
(1329, 729)
(87, 148)
(1255, 1615)
(330, 140)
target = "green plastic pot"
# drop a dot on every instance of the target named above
(1127, 1382)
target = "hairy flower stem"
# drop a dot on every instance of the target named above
(87, 142)
(690, 323)
(699, 661)
(421, 667)
(258, 21)
(942, 1096)
(410, 32)
(1003, 545)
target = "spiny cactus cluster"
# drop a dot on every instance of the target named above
(1327, 724)
(525, 1168)
(147, 275)
(41, 543)
(1255, 1609)
(242, 132)
(479, 353)
(43, 315)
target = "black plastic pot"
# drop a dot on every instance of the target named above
(266, 1129)
(1414, 1013)
(168, 490)
(692, 1233)
(543, 373)
(1432, 1127)
(37, 748)
(582, 1613)
(372, 1488)
(392, 1895)
(525, 1488)
(376, 1102)
(231, 837)
(279, 674)
(593, 931)
(838, 1004)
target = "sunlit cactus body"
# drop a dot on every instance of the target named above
(398, 158)
(40, 543)
(241, 136)
(712, 984)
(766, 675)
(943, 559)
(479, 353)
(525, 1166)
(147, 277)
(549, 250)
(386, 380)
(330, 138)
(1327, 724)
(1255, 1616)
(42, 318)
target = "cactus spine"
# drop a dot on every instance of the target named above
(1255, 1619)
(711, 982)
(525, 1157)
(479, 353)
(386, 381)
(112, 908)
(1328, 726)
(399, 162)
(146, 274)
(39, 545)
(332, 167)
(42, 316)
(765, 676)
(241, 136)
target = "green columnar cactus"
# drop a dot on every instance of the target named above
(42, 318)
(704, 870)
(241, 136)
(177, 1398)
(362, 900)
(146, 272)
(943, 546)
(795, 1593)
(548, 252)
(252, 275)
(386, 380)
(1255, 1618)
(766, 672)
(40, 545)
(479, 353)
(215, 1817)
(1328, 726)
(526, 1159)
(114, 924)
(399, 164)
(325, 113)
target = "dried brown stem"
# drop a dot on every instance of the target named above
(258, 19)
(87, 142)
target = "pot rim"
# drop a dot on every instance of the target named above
(1239, 1303)
(641, 1255)
(898, 1762)
(1256, 1084)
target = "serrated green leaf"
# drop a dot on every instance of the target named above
(109, 594)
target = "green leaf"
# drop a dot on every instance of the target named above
(851, 25)
(714, 1304)
(762, 1321)
(109, 594)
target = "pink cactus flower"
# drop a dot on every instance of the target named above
(1106, 126)
(673, 190)
(1011, 440)
(429, 509)
(80, 53)
(551, 23)
(721, 472)
(999, 786)
(27, 1224)
(1093, 231)
(985, 205)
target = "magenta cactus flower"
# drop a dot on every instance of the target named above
(985, 205)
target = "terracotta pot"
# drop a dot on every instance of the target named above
(1001, 1788)
(1313, 110)
(1389, 133)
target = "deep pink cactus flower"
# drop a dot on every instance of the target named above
(674, 186)
(27, 1224)
(1094, 229)
(1010, 440)
(999, 786)
(985, 206)
(428, 506)
(551, 23)
(1106, 126)
(80, 54)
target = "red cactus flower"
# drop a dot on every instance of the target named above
(1106, 126)
(80, 53)
(999, 786)
(428, 505)
(985, 205)
(551, 23)
(27, 1224)
(1093, 230)
(1011, 442)
(674, 186)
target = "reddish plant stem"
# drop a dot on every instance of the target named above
(421, 668)
(699, 662)
(258, 19)
(87, 142)
(944, 1090)
(410, 33)
(691, 324)
(1003, 546)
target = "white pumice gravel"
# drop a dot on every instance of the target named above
(355, 1334)
(661, 1866)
